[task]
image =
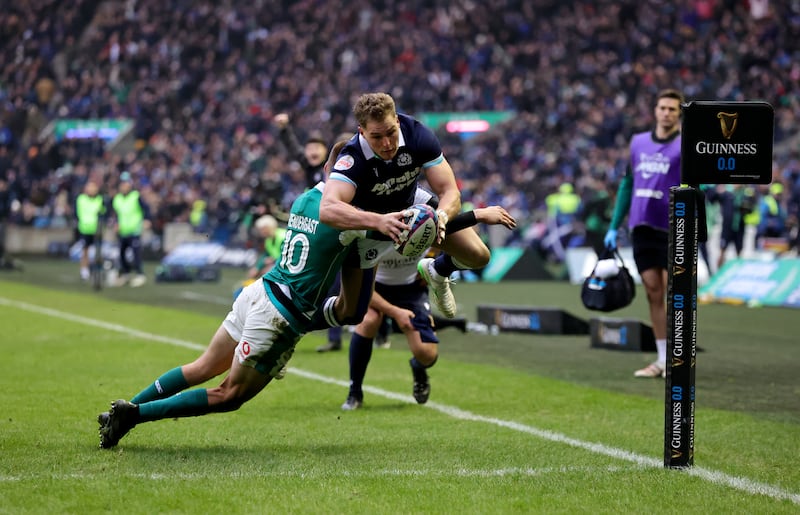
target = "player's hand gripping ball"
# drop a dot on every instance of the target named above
(416, 240)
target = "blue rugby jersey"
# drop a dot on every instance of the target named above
(387, 186)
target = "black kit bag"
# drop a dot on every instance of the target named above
(608, 293)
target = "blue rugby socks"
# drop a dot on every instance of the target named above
(360, 354)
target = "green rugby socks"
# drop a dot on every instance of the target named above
(167, 385)
(185, 404)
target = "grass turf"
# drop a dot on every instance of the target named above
(516, 423)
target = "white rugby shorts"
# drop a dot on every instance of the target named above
(265, 339)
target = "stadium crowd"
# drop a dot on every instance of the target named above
(202, 81)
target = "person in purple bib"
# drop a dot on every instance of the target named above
(643, 197)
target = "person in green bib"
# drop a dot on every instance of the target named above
(266, 227)
(89, 210)
(132, 215)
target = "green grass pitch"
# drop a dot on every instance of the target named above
(516, 423)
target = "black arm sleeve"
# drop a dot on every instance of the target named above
(461, 221)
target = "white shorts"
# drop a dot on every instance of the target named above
(266, 340)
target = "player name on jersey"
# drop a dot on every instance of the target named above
(303, 223)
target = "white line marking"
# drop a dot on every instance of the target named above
(99, 323)
(712, 476)
(306, 474)
(203, 297)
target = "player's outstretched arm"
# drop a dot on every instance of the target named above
(495, 215)
(492, 215)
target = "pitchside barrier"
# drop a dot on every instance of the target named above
(531, 319)
(625, 334)
(722, 143)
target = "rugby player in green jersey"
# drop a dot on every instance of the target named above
(267, 320)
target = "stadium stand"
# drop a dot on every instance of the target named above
(202, 80)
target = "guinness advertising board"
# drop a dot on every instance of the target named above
(727, 142)
(681, 329)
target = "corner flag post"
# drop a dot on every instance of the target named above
(681, 328)
(721, 143)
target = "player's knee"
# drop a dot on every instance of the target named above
(482, 256)
(370, 323)
(476, 257)
(427, 355)
(351, 314)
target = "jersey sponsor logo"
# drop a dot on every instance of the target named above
(396, 183)
(344, 163)
(652, 164)
(404, 159)
(649, 193)
(399, 261)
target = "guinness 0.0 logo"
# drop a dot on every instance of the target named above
(728, 123)
(727, 142)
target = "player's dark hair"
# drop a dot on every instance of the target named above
(334, 153)
(670, 93)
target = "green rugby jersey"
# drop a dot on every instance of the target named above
(311, 255)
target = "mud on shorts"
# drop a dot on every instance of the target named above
(266, 339)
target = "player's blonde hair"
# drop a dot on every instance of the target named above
(373, 106)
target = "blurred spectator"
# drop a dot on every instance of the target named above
(89, 209)
(132, 216)
(735, 202)
(311, 155)
(596, 211)
(5, 213)
(202, 81)
(271, 238)
(563, 206)
(772, 229)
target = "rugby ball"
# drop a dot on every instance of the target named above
(423, 224)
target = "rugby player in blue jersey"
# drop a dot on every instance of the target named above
(266, 321)
(643, 196)
(378, 172)
(402, 295)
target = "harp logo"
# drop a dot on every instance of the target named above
(728, 123)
